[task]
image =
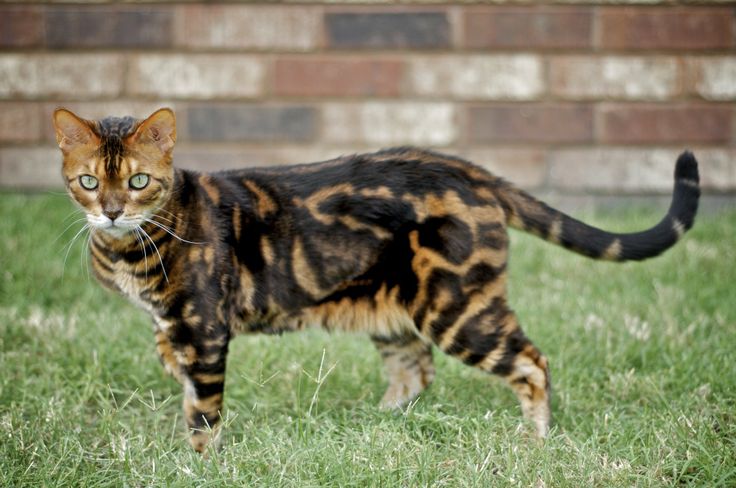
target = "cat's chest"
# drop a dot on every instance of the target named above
(123, 278)
(124, 271)
(133, 287)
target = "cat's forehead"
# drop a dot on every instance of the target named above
(112, 132)
(119, 127)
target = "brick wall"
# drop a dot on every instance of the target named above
(572, 97)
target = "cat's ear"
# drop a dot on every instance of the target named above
(72, 131)
(159, 129)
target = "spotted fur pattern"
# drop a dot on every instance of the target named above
(407, 245)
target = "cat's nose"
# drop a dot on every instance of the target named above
(112, 214)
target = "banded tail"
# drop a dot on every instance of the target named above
(526, 213)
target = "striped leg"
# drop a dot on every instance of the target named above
(166, 354)
(203, 395)
(492, 341)
(200, 368)
(407, 360)
(204, 384)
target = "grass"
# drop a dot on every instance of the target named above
(642, 360)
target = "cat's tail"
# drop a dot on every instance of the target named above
(526, 213)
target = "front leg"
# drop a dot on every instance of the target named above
(166, 353)
(204, 384)
(196, 357)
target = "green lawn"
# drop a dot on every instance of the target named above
(643, 359)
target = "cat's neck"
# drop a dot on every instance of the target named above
(121, 243)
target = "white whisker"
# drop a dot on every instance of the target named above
(71, 214)
(172, 222)
(69, 248)
(83, 252)
(67, 228)
(168, 212)
(172, 218)
(160, 259)
(170, 232)
(143, 247)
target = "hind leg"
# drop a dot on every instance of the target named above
(407, 360)
(489, 338)
(529, 378)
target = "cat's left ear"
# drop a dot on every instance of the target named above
(158, 129)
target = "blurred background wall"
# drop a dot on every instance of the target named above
(585, 98)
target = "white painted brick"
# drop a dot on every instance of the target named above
(619, 77)
(640, 170)
(384, 123)
(613, 170)
(717, 168)
(30, 167)
(526, 168)
(49, 75)
(208, 157)
(248, 26)
(512, 77)
(716, 78)
(196, 76)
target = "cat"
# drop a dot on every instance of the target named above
(405, 244)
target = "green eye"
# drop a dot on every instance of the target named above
(88, 182)
(139, 181)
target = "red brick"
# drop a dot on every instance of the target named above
(337, 77)
(528, 27)
(20, 26)
(665, 124)
(667, 28)
(531, 123)
(20, 122)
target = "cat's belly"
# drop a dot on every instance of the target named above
(369, 315)
(361, 315)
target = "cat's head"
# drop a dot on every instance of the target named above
(119, 170)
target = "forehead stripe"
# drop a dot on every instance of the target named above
(111, 151)
(112, 130)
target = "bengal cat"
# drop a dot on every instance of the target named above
(407, 245)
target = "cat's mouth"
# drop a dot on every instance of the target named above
(117, 227)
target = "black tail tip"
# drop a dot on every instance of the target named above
(687, 167)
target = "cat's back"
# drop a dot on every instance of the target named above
(398, 171)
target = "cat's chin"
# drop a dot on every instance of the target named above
(116, 231)
(121, 228)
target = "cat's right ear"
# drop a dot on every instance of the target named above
(72, 131)
(159, 130)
